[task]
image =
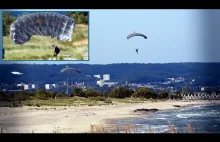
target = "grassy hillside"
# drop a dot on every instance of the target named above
(38, 48)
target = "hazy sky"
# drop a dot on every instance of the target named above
(173, 36)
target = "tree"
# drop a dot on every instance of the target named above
(186, 89)
(42, 94)
(92, 93)
(121, 92)
(163, 95)
(79, 17)
(145, 92)
(8, 19)
(78, 92)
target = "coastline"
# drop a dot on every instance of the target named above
(48, 119)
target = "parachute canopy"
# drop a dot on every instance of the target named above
(136, 34)
(55, 25)
(70, 69)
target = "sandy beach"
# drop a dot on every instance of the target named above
(46, 119)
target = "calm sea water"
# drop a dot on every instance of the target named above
(202, 118)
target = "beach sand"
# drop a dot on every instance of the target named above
(76, 119)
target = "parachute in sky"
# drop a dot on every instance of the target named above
(17, 73)
(54, 25)
(136, 34)
(70, 69)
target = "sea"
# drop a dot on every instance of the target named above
(202, 119)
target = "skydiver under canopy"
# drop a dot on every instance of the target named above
(137, 50)
(56, 51)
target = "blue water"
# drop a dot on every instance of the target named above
(202, 118)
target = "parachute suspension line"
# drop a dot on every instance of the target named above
(58, 26)
(36, 28)
(27, 30)
(42, 27)
(64, 27)
(53, 33)
(51, 40)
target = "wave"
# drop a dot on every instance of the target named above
(187, 115)
(161, 118)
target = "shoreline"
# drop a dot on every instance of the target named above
(168, 106)
(49, 119)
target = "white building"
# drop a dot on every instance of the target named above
(110, 83)
(202, 89)
(34, 86)
(100, 83)
(106, 77)
(51, 86)
(30, 86)
(27, 86)
(19, 85)
(97, 76)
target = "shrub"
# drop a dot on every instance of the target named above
(97, 98)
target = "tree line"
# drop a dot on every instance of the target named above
(204, 74)
(120, 92)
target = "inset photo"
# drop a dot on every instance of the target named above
(45, 35)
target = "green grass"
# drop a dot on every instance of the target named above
(130, 100)
(76, 101)
(73, 101)
(38, 48)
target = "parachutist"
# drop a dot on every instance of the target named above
(56, 51)
(137, 51)
(136, 34)
(69, 69)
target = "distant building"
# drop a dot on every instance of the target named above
(203, 89)
(34, 86)
(106, 77)
(206, 89)
(27, 86)
(30, 86)
(20, 85)
(51, 86)
(110, 83)
(100, 83)
(97, 76)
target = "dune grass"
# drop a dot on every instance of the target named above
(127, 128)
(76, 101)
(72, 101)
(38, 48)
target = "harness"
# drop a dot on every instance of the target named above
(56, 51)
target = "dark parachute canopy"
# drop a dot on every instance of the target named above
(70, 69)
(136, 34)
(55, 25)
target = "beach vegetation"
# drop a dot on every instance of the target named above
(82, 97)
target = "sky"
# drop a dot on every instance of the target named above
(173, 36)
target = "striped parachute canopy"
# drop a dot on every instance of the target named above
(54, 25)
(70, 69)
(136, 34)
